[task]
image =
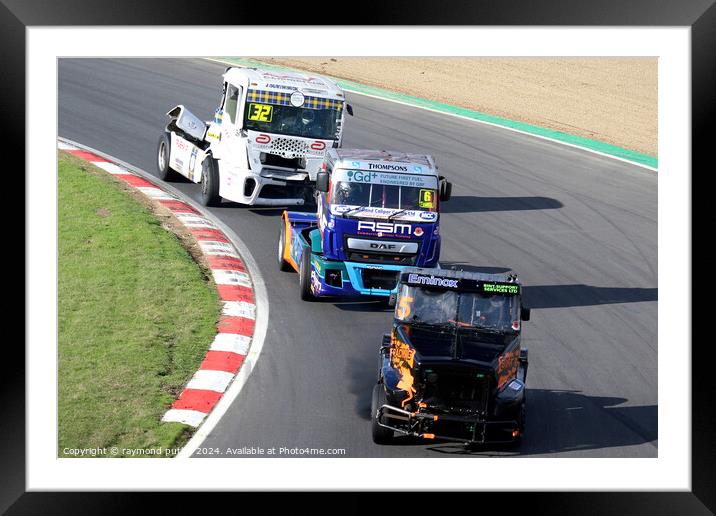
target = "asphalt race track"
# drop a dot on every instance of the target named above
(579, 229)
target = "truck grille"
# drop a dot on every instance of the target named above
(368, 257)
(456, 389)
(289, 148)
(378, 278)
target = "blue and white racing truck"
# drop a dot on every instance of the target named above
(266, 142)
(377, 212)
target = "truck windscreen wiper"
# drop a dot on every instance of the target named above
(390, 217)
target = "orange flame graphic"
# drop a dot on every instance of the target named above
(401, 358)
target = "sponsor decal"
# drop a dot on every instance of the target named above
(387, 166)
(292, 78)
(378, 245)
(418, 231)
(281, 87)
(402, 358)
(416, 168)
(315, 283)
(297, 99)
(515, 385)
(181, 144)
(360, 177)
(385, 227)
(318, 146)
(192, 162)
(432, 281)
(386, 178)
(263, 138)
(384, 213)
(342, 208)
(500, 288)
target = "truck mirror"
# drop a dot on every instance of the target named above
(445, 190)
(349, 109)
(322, 181)
(525, 314)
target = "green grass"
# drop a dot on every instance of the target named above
(136, 316)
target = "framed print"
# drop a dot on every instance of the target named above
(337, 212)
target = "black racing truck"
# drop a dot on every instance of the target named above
(453, 367)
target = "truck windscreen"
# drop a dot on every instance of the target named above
(384, 196)
(464, 309)
(321, 124)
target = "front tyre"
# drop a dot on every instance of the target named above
(304, 279)
(283, 265)
(381, 435)
(210, 182)
(163, 151)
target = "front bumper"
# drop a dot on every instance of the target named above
(464, 429)
(356, 279)
(267, 187)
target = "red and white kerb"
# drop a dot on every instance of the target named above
(227, 352)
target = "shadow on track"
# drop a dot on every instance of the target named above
(475, 204)
(563, 296)
(361, 305)
(462, 266)
(563, 421)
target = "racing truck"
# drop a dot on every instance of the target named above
(453, 366)
(377, 213)
(266, 141)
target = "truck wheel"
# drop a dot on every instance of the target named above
(163, 151)
(381, 435)
(209, 182)
(304, 279)
(283, 265)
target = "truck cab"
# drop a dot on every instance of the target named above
(377, 212)
(266, 141)
(453, 366)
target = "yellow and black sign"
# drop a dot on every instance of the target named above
(260, 112)
(427, 198)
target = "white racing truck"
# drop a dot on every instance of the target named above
(266, 142)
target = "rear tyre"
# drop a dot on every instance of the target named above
(163, 151)
(304, 280)
(381, 435)
(283, 265)
(210, 182)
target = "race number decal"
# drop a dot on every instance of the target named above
(427, 199)
(404, 307)
(260, 112)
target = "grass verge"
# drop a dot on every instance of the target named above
(136, 315)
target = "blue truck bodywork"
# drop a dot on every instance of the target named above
(337, 270)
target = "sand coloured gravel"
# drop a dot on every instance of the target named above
(613, 100)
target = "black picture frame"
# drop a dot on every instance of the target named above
(700, 15)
